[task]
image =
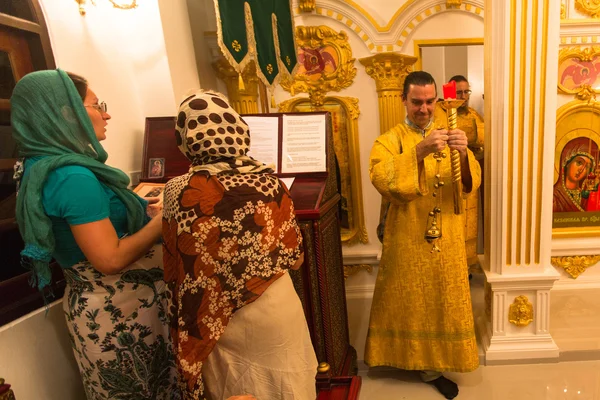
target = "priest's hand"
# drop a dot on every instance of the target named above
(457, 140)
(432, 143)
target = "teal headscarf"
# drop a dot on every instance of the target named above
(49, 119)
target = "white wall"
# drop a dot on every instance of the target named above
(36, 357)
(475, 77)
(433, 61)
(123, 55)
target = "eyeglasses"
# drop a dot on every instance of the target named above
(465, 92)
(101, 107)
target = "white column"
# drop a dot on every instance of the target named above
(521, 54)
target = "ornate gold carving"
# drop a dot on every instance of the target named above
(307, 5)
(563, 11)
(388, 69)
(575, 265)
(576, 66)
(350, 270)
(589, 7)
(326, 63)
(520, 312)
(243, 100)
(344, 113)
(453, 3)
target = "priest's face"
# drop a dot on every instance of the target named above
(420, 104)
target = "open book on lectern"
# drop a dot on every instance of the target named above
(296, 143)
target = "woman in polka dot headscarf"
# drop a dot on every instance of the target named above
(230, 236)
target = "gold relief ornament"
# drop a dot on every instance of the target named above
(350, 270)
(589, 7)
(520, 312)
(307, 5)
(325, 63)
(563, 11)
(579, 71)
(575, 265)
(453, 3)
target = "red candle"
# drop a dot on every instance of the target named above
(450, 90)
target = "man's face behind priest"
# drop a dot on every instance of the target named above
(420, 103)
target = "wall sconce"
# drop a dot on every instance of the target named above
(123, 4)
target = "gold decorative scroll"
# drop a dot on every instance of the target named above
(575, 265)
(350, 270)
(344, 115)
(563, 11)
(325, 63)
(307, 5)
(243, 100)
(520, 312)
(578, 71)
(589, 7)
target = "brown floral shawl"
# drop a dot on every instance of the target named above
(229, 231)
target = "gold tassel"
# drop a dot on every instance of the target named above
(241, 82)
(273, 103)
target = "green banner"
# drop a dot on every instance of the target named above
(247, 29)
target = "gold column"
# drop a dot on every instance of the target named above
(245, 100)
(389, 71)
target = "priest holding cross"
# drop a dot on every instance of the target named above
(421, 317)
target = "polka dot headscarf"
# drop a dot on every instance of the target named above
(214, 136)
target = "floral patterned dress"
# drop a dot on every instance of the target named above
(119, 330)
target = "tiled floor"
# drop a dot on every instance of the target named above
(561, 381)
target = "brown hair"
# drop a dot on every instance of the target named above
(81, 84)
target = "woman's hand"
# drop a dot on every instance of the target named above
(153, 208)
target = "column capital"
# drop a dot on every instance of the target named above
(243, 99)
(388, 69)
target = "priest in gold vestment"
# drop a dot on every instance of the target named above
(470, 122)
(421, 317)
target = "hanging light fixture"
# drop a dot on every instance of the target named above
(120, 4)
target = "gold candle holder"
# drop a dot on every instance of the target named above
(451, 114)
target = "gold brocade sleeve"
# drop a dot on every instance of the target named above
(394, 170)
(475, 170)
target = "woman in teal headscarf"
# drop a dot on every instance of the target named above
(74, 208)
